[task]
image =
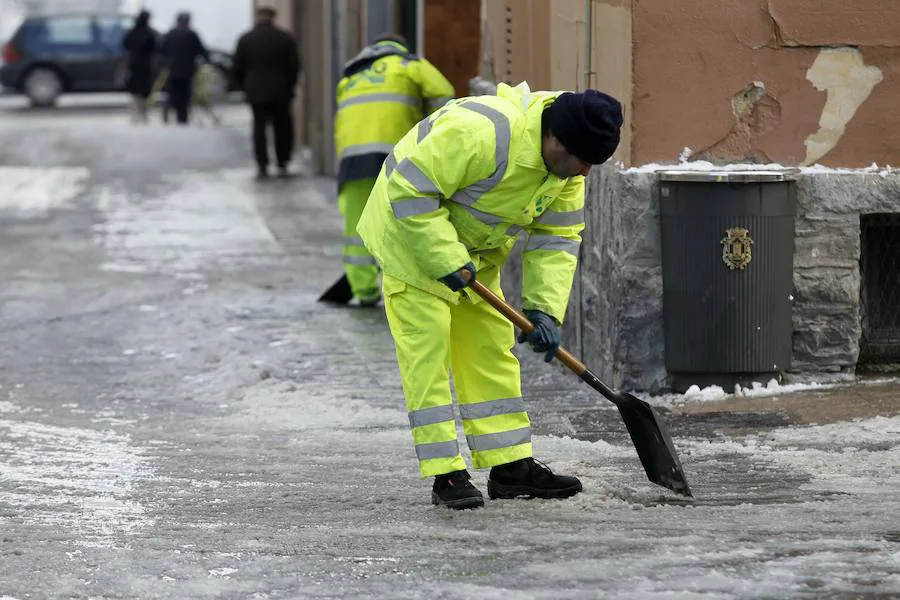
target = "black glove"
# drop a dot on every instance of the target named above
(545, 337)
(455, 280)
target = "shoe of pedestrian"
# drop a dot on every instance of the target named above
(262, 174)
(283, 171)
(530, 479)
(454, 490)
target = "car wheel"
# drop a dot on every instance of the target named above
(43, 86)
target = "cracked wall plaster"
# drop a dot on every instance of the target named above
(756, 112)
(819, 23)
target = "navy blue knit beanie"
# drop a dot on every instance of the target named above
(587, 124)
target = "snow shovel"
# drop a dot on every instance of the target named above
(339, 293)
(648, 433)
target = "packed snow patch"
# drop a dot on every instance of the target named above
(74, 479)
(34, 191)
(198, 221)
(852, 458)
(284, 404)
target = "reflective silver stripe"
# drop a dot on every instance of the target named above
(368, 98)
(481, 410)
(419, 180)
(372, 148)
(431, 415)
(414, 206)
(469, 195)
(358, 260)
(437, 450)
(423, 130)
(390, 163)
(486, 218)
(564, 218)
(492, 441)
(553, 242)
(353, 240)
(435, 103)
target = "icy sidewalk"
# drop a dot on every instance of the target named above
(180, 418)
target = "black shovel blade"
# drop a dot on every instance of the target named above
(649, 435)
(339, 293)
(653, 444)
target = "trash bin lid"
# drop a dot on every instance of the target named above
(728, 176)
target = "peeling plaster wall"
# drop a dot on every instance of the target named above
(842, 74)
(732, 80)
(767, 81)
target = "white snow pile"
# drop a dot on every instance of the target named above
(756, 389)
(715, 393)
(684, 164)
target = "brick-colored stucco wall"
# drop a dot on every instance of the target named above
(452, 39)
(788, 81)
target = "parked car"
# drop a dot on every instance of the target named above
(74, 53)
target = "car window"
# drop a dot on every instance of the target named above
(111, 30)
(68, 31)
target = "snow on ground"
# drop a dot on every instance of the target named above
(191, 221)
(715, 393)
(287, 468)
(92, 475)
(701, 165)
(33, 191)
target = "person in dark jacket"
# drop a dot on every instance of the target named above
(181, 50)
(266, 66)
(139, 44)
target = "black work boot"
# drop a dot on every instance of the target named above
(454, 490)
(530, 478)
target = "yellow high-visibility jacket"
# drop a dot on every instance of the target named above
(462, 185)
(385, 91)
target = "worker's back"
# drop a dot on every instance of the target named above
(385, 91)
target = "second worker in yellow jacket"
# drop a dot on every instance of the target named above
(385, 91)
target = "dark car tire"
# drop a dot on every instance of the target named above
(43, 86)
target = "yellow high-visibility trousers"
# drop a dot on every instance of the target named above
(359, 266)
(434, 337)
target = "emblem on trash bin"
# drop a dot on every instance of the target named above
(736, 248)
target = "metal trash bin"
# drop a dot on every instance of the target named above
(727, 262)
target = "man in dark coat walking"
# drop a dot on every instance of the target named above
(140, 45)
(266, 66)
(181, 49)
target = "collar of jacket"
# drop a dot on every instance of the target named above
(528, 152)
(379, 50)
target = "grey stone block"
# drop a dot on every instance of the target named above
(622, 282)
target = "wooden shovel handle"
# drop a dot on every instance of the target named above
(520, 321)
